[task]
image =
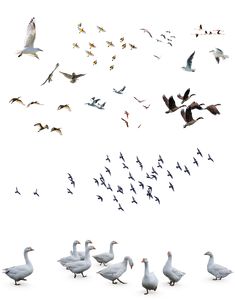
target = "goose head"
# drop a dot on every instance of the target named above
(127, 258)
(76, 242)
(144, 260)
(114, 242)
(208, 253)
(169, 254)
(28, 249)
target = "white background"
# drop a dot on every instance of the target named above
(196, 218)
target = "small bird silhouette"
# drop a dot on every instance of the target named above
(36, 193)
(41, 127)
(132, 189)
(186, 170)
(108, 170)
(157, 199)
(107, 158)
(178, 166)
(141, 184)
(64, 106)
(69, 191)
(119, 91)
(16, 100)
(96, 181)
(56, 129)
(121, 156)
(160, 159)
(17, 191)
(99, 198)
(115, 198)
(73, 77)
(195, 161)
(171, 186)
(131, 177)
(210, 158)
(199, 152)
(169, 174)
(33, 103)
(133, 200)
(119, 189)
(71, 179)
(120, 207)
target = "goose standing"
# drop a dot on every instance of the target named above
(29, 42)
(78, 267)
(105, 257)
(18, 273)
(114, 271)
(216, 270)
(73, 257)
(172, 273)
(188, 117)
(149, 281)
(83, 253)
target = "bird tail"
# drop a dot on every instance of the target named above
(225, 56)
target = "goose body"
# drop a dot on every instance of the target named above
(80, 266)
(172, 273)
(104, 258)
(216, 270)
(188, 117)
(71, 258)
(149, 281)
(114, 271)
(18, 273)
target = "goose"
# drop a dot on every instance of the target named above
(78, 267)
(18, 273)
(213, 109)
(114, 271)
(186, 96)
(105, 257)
(195, 105)
(187, 116)
(218, 53)
(173, 274)
(29, 41)
(149, 281)
(216, 270)
(83, 253)
(170, 103)
(73, 257)
(188, 66)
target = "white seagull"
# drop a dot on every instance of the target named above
(29, 41)
(218, 53)
(188, 66)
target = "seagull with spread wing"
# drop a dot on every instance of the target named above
(29, 41)
(218, 53)
(188, 66)
(73, 77)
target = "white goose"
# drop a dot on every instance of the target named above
(78, 267)
(104, 258)
(172, 273)
(149, 281)
(82, 253)
(114, 271)
(73, 257)
(18, 273)
(218, 271)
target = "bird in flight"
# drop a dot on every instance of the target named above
(213, 109)
(49, 78)
(16, 100)
(101, 29)
(56, 129)
(119, 91)
(199, 152)
(89, 53)
(147, 31)
(36, 193)
(188, 66)
(210, 158)
(17, 191)
(126, 122)
(41, 127)
(140, 101)
(33, 102)
(170, 103)
(186, 96)
(188, 117)
(73, 77)
(218, 54)
(70, 177)
(64, 106)
(29, 41)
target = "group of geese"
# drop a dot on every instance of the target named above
(78, 262)
(187, 113)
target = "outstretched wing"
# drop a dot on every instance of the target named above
(190, 59)
(188, 115)
(31, 34)
(186, 94)
(66, 75)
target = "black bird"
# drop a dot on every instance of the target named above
(147, 175)
(69, 191)
(160, 159)
(119, 189)
(137, 160)
(141, 184)
(103, 183)
(154, 171)
(114, 198)
(107, 158)
(71, 179)
(159, 166)
(149, 188)
(96, 181)
(157, 199)
(149, 194)
(153, 176)
(17, 191)
(169, 174)
(132, 189)
(36, 193)
(109, 187)
(141, 166)
(125, 166)
(131, 177)
(171, 186)
(121, 156)
(101, 177)
(133, 200)
(199, 152)
(163, 35)
(195, 161)
(178, 166)
(108, 170)
(120, 207)
(186, 170)
(119, 91)
(99, 198)
(210, 158)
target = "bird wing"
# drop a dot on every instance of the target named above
(121, 90)
(165, 100)
(66, 75)
(79, 75)
(183, 114)
(189, 60)
(171, 102)
(217, 59)
(219, 51)
(186, 94)
(188, 114)
(31, 34)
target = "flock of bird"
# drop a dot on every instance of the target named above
(79, 262)
(202, 31)
(145, 181)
